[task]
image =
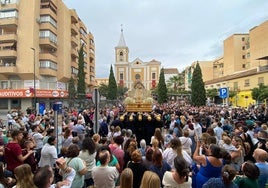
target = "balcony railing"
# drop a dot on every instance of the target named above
(19, 84)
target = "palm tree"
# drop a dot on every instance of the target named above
(260, 93)
(174, 84)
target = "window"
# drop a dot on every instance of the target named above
(4, 84)
(121, 76)
(153, 76)
(91, 69)
(91, 41)
(85, 54)
(74, 71)
(49, 19)
(247, 83)
(248, 55)
(48, 64)
(9, 1)
(243, 66)
(243, 38)
(260, 80)
(243, 47)
(121, 54)
(137, 76)
(15, 103)
(82, 42)
(9, 14)
(83, 32)
(3, 104)
(243, 57)
(235, 86)
(48, 34)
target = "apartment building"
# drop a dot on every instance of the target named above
(206, 69)
(244, 65)
(39, 43)
(128, 72)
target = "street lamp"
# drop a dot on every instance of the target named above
(34, 100)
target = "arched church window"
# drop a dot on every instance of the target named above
(121, 54)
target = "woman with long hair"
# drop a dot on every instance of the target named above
(159, 137)
(226, 180)
(126, 178)
(238, 158)
(67, 137)
(210, 164)
(174, 150)
(88, 154)
(129, 147)
(150, 180)
(49, 153)
(159, 166)
(24, 176)
(178, 177)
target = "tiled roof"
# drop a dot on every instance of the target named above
(171, 71)
(233, 76)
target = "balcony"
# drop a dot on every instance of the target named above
(74, 53)
(74, 41)
(74, 29)
(48, 11)
(10, 6)
(8, 68)
(74, 64)
(7, 52)
(74, 16)
(48, 26)
(9, 21)
(91, 52)
(8, 37)
(83, 37)
(48, 56)
(47, 43)
(47, 72)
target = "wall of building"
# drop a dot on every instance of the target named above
(45, 49)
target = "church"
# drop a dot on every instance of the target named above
(127, 73)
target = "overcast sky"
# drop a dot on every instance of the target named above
(174, 32)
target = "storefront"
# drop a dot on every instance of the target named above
(24, 98)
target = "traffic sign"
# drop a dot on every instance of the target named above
(223, 92)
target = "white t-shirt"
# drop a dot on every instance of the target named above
(104, 176)
(169, 182)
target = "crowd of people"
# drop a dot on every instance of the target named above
(199, 147)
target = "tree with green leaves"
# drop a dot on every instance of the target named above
(198, 88)
(121, 90)
(212, 93)
(112, 86)
(174, 85)
(103, 89)
(260, 93)
(162, 88)
(81, 84)
(71, 91)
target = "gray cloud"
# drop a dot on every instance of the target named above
(174, 32)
